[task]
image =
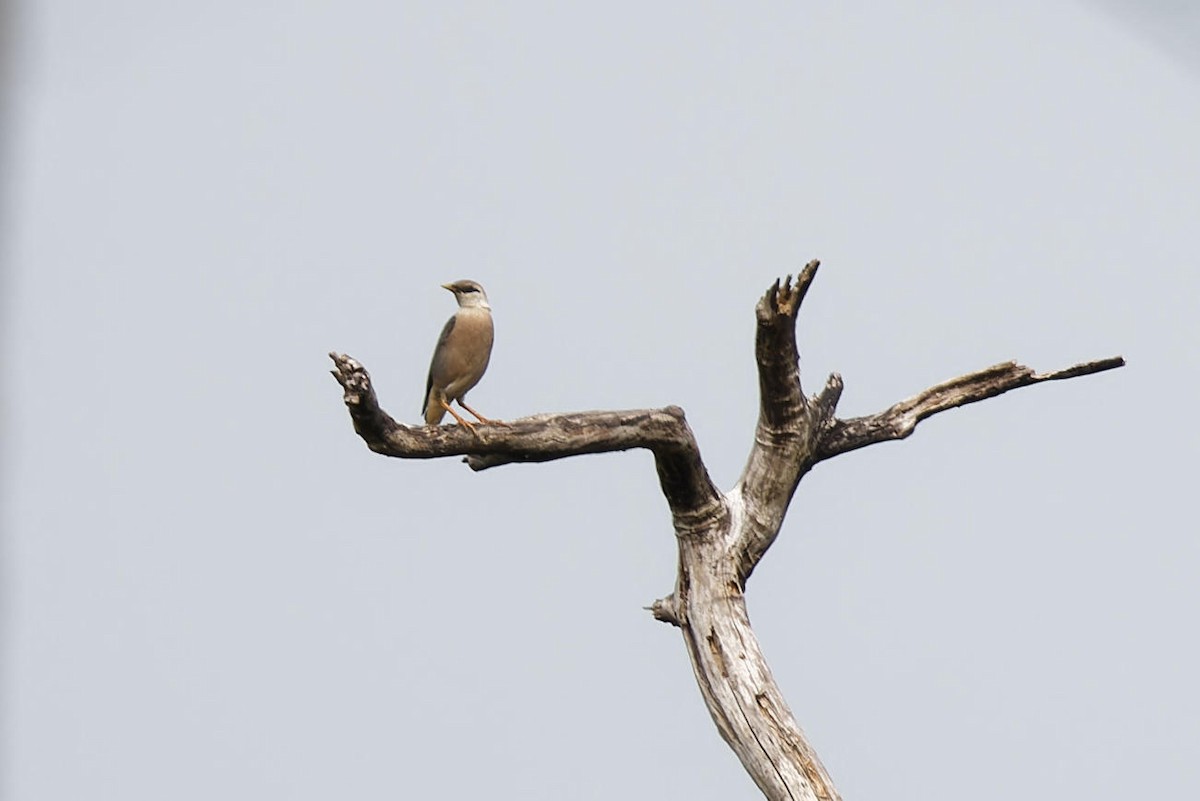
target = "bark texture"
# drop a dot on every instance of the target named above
(721, 536)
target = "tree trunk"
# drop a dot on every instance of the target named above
(721, 536)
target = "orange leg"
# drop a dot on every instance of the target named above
(459, 417)
(482, 419)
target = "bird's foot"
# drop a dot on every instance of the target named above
(480, 417)
(461, 420)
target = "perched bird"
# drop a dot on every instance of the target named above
(461, 355)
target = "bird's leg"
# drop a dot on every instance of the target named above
(459, 417)
(482, 419)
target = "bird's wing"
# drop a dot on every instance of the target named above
(441, 343)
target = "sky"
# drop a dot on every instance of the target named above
(211, 588)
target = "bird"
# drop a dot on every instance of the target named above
(461, 355)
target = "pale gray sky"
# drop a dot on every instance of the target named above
(213, 590)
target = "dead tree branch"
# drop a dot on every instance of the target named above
(721, 536)
(898, 421)
(542, 438)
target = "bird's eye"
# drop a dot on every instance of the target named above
(470, 289)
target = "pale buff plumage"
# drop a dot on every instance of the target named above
(461, 355)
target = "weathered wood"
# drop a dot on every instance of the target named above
(542, 438)
(899, 420)
(721, 537)
(745, 703)
(789, 424)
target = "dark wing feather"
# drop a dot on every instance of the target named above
(432, 362)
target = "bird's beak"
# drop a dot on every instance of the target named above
(448, 286)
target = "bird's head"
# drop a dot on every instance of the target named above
(468, 294)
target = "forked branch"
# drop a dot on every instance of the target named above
(721, 537)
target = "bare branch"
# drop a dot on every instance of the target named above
(665, 432)
(781, 400)
(788, 424)
(899, 421)
(371, 422)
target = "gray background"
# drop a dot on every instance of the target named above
(213, 590)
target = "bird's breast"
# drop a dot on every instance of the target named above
(467, 351)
